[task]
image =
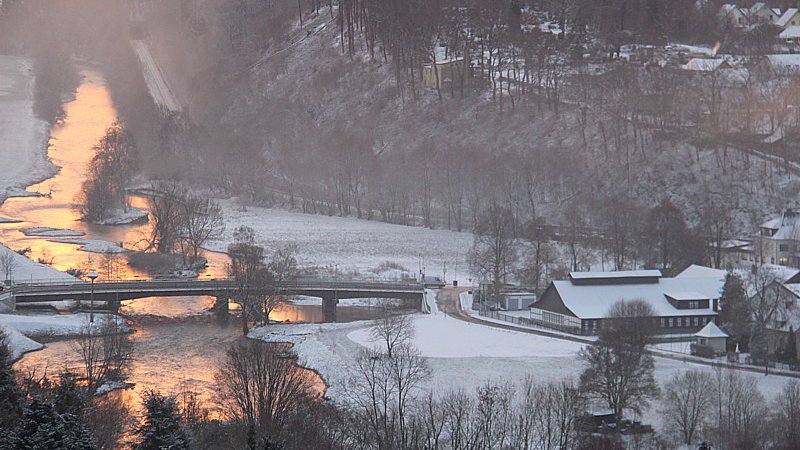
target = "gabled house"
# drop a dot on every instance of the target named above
(789, 18)
(734, 15)
(580, 304)
(760, 13)
(778, 240)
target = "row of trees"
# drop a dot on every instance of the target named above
(506, 248)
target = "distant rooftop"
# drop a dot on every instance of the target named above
(620, 274)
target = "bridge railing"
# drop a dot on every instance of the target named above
(220, 283)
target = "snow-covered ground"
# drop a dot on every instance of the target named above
(20, 328)
(25, 269)
(352, 244)
(51, 232)
(463, 355)
(23, 136)
(93, 245)
(122, 217)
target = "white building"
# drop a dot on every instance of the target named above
(682, 304)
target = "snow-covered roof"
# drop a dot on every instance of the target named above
(787, 226)
(697, 271)
(704, 64)
(792, 32)
(785, 60)
(786, 17)
(711, 330)
(620, 274)
(757, 6)
(593, 301)
(682, 296)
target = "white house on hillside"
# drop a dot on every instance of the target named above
(778, 240)
(761, 13)
(734, 15)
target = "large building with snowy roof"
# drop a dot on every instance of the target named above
(683, 304)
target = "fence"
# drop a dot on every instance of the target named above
(565, 326)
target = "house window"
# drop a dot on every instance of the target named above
(783, 247)
(783, 260)
(702, 341)
(663, 322)
(671, 322)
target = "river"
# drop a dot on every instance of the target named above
(177, 343)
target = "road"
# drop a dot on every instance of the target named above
(153, 77)
(448, 302)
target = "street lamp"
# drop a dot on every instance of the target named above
(92, 276)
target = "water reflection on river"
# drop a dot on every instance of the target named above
(177, 344)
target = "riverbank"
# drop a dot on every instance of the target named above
(23, 136)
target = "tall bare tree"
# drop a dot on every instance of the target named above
(688, 403)
(493, 253)
(620, 369)
(260, 386)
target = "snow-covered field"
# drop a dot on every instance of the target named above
(25, 269)
(352, 244)
(462, 355)
(23, 136)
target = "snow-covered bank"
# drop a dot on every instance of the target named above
(93, 245)
(24, 269)
(21, 328)
(23, 136)
(123, 217)
(352, 244)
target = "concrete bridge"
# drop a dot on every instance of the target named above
(111, 293)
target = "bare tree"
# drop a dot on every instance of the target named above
(8, 262)
(620, 370)
(688, 403)
(393, 330)
(493, 251)
(384, 391)
(741, 411)
(786, 416)
(165, 207)
(105, 350)
(280, 270)
(247, 269)
(767, 297)
(200, 221)
(260, 386)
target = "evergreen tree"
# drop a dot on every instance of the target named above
(734, 316)
(162, 425)
(10, 396)
(42, 428)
